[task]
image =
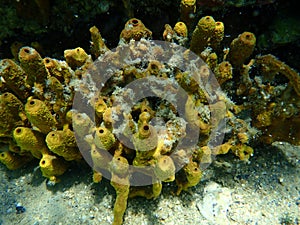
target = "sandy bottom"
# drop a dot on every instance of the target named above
(265, 190)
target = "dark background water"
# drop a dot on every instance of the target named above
(65, 24)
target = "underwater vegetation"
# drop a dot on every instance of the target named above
(54, 111)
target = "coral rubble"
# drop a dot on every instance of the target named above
(172, 139)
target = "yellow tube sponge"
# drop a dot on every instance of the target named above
(193, 173)
(99, 106)
(203, 155)
(120, 205)
(202, 34)
(120, 181)
(187, 11)
(60, 105)
(76, 57)
(39, 115)
(241, 48)
(119, 165)
(165, 169)
(134, 29)
(223, 72)
(223, 148)
(33, 64)
(82, 124)
(168, 33)
(30, 140)
(104, 139)
(14, 161)
(15, 48)
(100, 158)
(58, 69)
(211, 60)
(178, 34)
(181, 29)
(11, 114)
(147, 192)
(156, 189)
(15, 78)
(13, 104)
(187, 82)
(52, 166)
(145, 143)
(63, 143)
(218, 35)
(98, 47)
(192, 176)
(107, 118)
(55, 86)
(144, 118)
(192, 116)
